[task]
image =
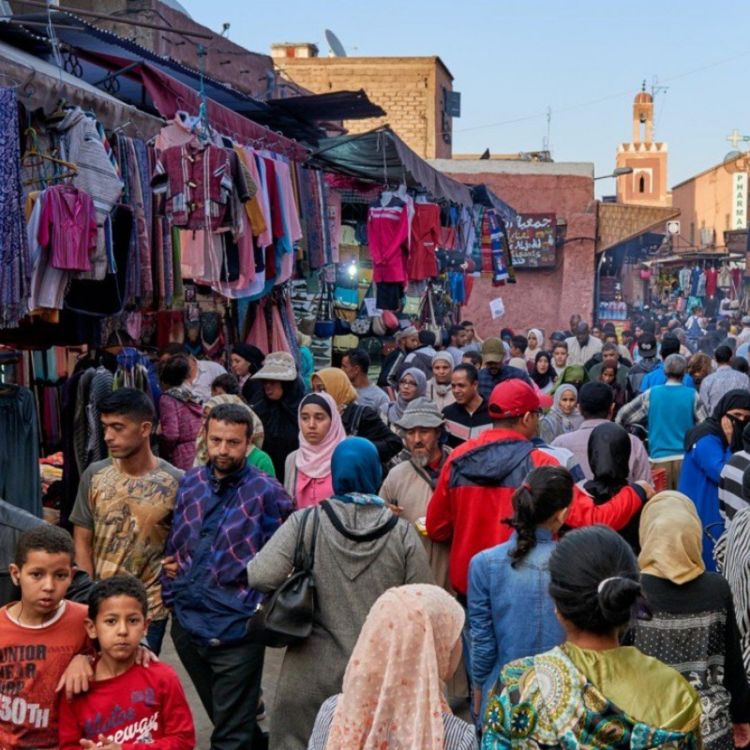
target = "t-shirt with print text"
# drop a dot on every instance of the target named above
(130, 518)
(32, 660)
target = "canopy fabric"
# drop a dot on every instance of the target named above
(169, 96)
(333, 105)
(43, 85)
(380, 155)
(485, 197)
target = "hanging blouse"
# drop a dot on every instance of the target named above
(67, 226)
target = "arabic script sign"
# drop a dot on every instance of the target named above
(532, 240)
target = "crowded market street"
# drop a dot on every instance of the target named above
(387, 389)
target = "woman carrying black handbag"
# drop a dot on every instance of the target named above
(360, 551)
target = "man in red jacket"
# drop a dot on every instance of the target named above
(474, 492)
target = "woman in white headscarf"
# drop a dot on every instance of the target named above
(564, 416)
(439, 385)
(535, 339)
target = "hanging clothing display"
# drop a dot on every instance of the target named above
(20, 484)
(387, 238)
(15, 265)
(425, 236)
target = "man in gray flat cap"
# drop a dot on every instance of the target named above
(408, 487)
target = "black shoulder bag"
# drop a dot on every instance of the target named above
(286, 618)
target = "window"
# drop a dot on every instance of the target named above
(642, 184)
(692, 233)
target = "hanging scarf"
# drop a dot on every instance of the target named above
(671, 538)
(392, 692)
(736, 399)
(314, 461)
(396, 408)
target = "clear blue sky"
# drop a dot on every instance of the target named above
(515, 58)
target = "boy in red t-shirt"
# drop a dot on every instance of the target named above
(39, 636)
(127, 707)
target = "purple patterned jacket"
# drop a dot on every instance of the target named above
(218, 527)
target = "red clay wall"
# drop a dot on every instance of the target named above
(544, 298)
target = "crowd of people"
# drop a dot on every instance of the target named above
(532, 540)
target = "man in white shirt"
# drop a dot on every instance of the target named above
(582, 346)
(203, 372)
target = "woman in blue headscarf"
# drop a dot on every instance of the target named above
(361, 550)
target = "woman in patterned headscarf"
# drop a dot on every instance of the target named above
(392, 692)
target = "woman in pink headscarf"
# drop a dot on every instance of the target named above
(393, 692)
(307, 472)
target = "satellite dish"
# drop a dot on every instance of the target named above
(335, 44)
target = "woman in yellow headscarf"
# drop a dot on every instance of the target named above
(692, 626)
(359, 420)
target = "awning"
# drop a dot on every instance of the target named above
(334, 105)
(619, 222)
(307, 118)
(150, 81)
(42, 85)
(483, 196)
(381, 156)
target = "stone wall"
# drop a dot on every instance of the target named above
(409, 89)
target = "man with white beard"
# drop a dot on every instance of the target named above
(408, 487)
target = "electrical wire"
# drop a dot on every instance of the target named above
(592, 102)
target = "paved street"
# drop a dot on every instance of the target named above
(202, 724)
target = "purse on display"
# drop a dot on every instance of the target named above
(287, 615)
(324, 322)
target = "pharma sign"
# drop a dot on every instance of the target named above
(739, 200)
(532, 241)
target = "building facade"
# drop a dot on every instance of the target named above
(542, 297)
(713, 202)
(412, 90)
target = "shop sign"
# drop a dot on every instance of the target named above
(532, 240)
(739, 200)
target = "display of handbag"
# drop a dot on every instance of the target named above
(428, 315)
(362, 324)
(324, 321)
(346, 312)
(345, 342)
(286, 618)
(412, 305)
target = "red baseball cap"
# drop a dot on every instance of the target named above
(514, 398)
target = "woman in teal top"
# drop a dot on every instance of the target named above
(591, 692)
(256, 456)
